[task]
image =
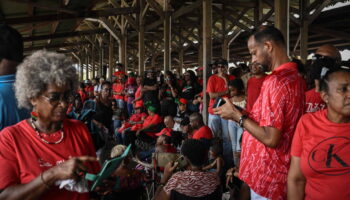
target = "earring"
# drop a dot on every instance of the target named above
(34, 115)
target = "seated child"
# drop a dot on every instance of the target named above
(216, 160)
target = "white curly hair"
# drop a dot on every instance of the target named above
(39, 70)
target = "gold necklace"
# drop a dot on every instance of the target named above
(42, 139)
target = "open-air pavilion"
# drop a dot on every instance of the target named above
(170, 34)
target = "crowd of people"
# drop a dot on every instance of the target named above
(276, 129)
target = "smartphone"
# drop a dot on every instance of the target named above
(219, 102)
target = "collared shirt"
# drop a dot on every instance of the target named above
(280, 105)
(217, 84)
(10, 114)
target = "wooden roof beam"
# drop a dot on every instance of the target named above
(64, 35)
(46, 7)
(56, 46)
(81, 15)
(156, 7)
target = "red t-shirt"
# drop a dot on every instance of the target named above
(152, 120)
(323, 148)
(253, 90)
(83, 95)
(216, 84)
(203, 132)
(23, 156)
(164, 131)
(89, 88)
(137, 117)
(138, 94)
(279, 105)
(118, 87)
(313, 101)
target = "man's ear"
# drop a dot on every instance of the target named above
(268, 46)
(324, 96)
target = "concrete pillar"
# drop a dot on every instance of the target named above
(207, 51)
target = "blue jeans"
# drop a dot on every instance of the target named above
(120, 103)
(235, 133)
(219, 127)
(130, 108)
(214, 123)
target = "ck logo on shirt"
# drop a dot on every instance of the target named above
(331, 156)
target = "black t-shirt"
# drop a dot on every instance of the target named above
(151, 95)
(189, 91)
(103, 114)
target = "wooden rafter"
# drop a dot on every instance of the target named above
(81, 15)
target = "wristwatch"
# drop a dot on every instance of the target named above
(241, 120)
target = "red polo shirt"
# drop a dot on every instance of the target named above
(216, 84)
(253, 90)
(203, 132)
(279, 105)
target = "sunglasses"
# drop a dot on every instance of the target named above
(56, 98)
(321, 57)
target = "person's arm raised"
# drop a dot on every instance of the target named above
(269, 136)
(33, 190)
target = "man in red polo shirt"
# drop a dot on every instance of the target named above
(217, 87)
(254, 84)
(266, 143)
(201, 131)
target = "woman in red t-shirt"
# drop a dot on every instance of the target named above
(320, 150)
(47, 155)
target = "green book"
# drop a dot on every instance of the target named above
(107, 169)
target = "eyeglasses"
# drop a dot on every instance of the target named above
(55, 98)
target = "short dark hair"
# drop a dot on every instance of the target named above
(216, 147)
(268, 33)
(11, 44)
(238, 84)
(221, 61)
(195, 151)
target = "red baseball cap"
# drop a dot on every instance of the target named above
(164, 131)
(182, 101)
(138, 104)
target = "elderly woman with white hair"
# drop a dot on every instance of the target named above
(45, 156)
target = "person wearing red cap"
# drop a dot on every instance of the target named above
(182, 112)
(169, 125)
